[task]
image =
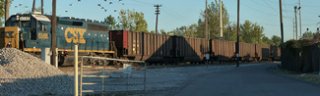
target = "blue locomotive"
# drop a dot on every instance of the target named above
(32, 32)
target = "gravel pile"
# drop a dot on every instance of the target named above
(22, 74)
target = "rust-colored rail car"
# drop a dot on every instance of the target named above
(158, 48)
(150, 47)
(120, 38)
(222, 49)
(247, 51)
(196, 48)
(128, 44)
(262, 52)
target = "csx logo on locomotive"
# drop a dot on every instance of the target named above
(75, 35)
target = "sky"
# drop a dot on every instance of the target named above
(176, 13)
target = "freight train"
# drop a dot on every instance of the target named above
(31, 33)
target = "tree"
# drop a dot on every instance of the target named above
(266, 40)
(307, 35)
(251, 33)
(163, 32)
(133, 21)
(213, 12)
(2, 11)
(276, 40)
(200, 29)
(140, 24)
(179, 31)
(124, 19)
(111, 22)
(230, 33)
(191, 30)
(245, 31)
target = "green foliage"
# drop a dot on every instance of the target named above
(213, 12)
(276, 40)
(307, 35)
(230, 33)
(133, 21)
(2, 11)
(191, 30)
(163, 32)
(188, 31)
(111, 22)
(198, 30)
(316, 36)
(251, 33)
(266, 40)
(292, 44)
(179, 31)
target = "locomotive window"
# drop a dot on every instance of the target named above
(33, 34)
(25, 24)
(9, 34)
(42, 26)
(77, 23)
(33, 30)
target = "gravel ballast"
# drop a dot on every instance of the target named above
(22, 74)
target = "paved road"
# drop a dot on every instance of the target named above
(250, 80)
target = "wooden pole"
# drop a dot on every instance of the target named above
(281, 21)
(7, 9)
(53, 33)
(238, 33)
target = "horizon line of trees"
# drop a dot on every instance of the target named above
(135, 21)
(249, 32)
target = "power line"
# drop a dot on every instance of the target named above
(266, 4)
(260, 11)
(270, 4)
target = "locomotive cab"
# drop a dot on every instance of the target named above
(28, 32)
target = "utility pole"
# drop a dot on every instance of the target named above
(7, 9)
(157, 14)
(281, 21)
(294, 28)
(206, 20)
(296, 22)
(238, 33)
(53, 33)
(221, 20)
(281, 29)
(299, 10)
(42, 10)
(33, 6)
(206, 35)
